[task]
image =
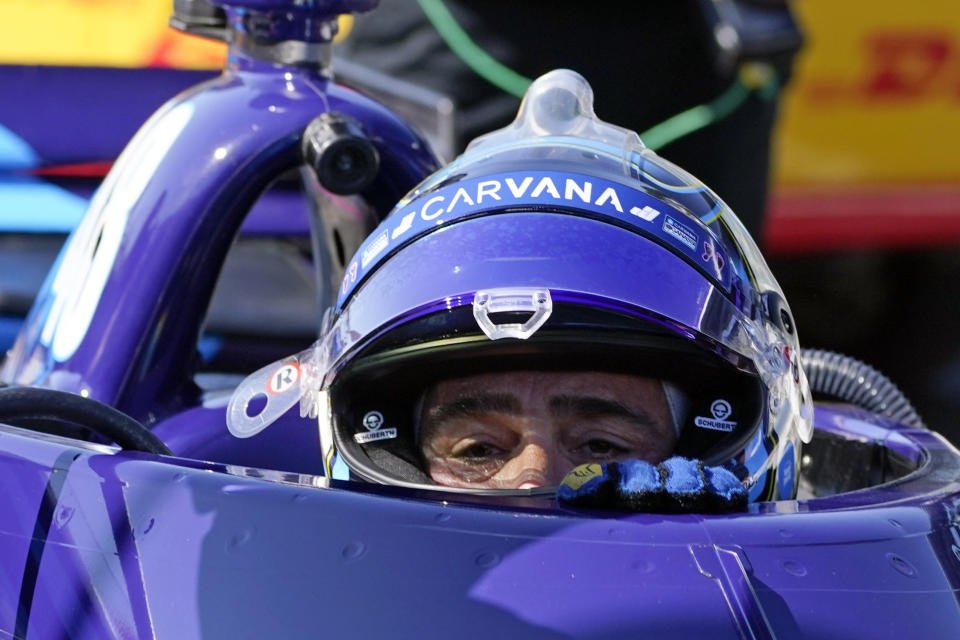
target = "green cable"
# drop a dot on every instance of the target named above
(695, 118)
(482, 63)
(752, 76)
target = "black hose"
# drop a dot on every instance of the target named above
(849, 380)
(26, 403)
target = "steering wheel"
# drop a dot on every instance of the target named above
(26, 403)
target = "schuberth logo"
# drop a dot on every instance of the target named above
(372, 421)
(720, 409)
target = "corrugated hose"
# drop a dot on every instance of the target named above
(850, 380)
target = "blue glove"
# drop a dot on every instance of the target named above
(676, 485)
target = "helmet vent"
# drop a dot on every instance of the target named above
(495, 304)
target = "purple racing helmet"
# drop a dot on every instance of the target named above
(559, 243)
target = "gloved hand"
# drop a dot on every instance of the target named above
(676, 485)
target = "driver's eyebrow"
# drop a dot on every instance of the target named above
(592, 407)
(474, 405)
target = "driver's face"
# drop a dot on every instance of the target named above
(527, 429)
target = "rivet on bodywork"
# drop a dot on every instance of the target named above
(902, 565)
(353, 550)
(486, 559)
(239, 539)
(642, 565)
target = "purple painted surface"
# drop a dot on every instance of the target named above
(290, 443)
(243, 132)
(146, 546)
(560, 252)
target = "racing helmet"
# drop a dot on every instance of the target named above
(559, 243)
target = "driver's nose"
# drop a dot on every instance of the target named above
(536, 465)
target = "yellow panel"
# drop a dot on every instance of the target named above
(117, 33)
(876, 96)
(114, 33)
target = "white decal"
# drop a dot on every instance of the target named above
(404, 225)
(431, 216)
(283, 378)
(546, 184)
(89, 256)
(710, 254)
(371, 436)
(375, 248)
(372, 421)
(721, 410)
(488, 188)
(611, 195)
(519, 191)
(582, 191)
(680, 231)
(484, 191)
(461, 193)
(648, 213)
(349, 277)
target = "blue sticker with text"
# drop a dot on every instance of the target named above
(680, 231)
(786, 474)
(569, 191)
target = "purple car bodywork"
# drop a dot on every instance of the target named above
(97, 542)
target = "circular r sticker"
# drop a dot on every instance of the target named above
(284, 378)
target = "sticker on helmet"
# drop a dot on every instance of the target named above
(757, 486)
(720, 410)
(405, 223)
(541, 189)
(349, 277)
(284, 378)
(785, 475)
(711, 255)
(648, 213)
(374, 249)
(372, 421)
(680, 231)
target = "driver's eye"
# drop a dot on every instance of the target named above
(476, 451)
(599, 447)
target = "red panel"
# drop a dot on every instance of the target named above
(881, 217)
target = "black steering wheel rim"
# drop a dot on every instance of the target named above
(22, 404)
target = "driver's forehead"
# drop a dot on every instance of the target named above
(533, 390)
